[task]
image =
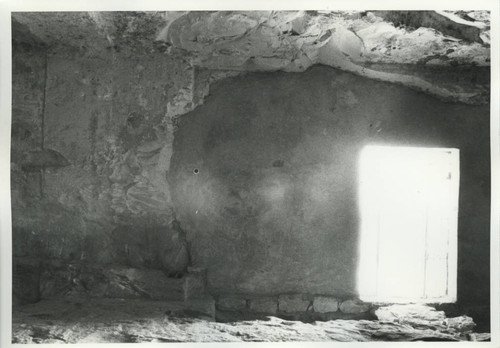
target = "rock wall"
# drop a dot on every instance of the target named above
(111, 119)
(351, 41)
(264, 178)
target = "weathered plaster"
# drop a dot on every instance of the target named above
(273, 207)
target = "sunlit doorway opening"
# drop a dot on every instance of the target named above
(409, 212)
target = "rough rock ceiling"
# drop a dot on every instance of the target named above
(366, 43)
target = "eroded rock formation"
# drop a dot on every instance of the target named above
(292, 41)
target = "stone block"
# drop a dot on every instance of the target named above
(354, 307)
(231, 304)
(461, 324)
(263, 305)
(409, 313)
(325, 304)
(293, 303)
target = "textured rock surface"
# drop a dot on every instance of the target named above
(446, 22)
(287, 40)
(293, 41)
(293, 303)
(231, 303)
(267, 305)
(109, 116)
(91, 281)
(422, 316)
(410, 314)
(353, 306)
(323, 304)
(147, 321)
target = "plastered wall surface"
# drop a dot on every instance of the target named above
(273, 207)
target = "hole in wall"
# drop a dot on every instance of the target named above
(196, 171)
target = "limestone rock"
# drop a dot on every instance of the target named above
(293, 303)
(281, 40)
(443, 21)
(231, 303)
(417, 315)
(117, 289)
(143, 283)
(354, 306)
(291, 41)
(324, 304)
(146, 321)
(462, 323)
(263, 305)
(348, 43)
(203, 308)
(143, 197)
(82, 280)
(480, 337)
(298, 24)
(159, 246)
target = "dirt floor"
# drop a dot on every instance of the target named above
(94, 321)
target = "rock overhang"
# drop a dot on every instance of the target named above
(367, 43)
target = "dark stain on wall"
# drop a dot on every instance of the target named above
(273, 208)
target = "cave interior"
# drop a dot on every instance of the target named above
(192, 175)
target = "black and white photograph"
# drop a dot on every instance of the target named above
(250, 175)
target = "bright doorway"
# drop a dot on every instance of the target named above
(409, 212)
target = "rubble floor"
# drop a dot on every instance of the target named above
(130, 321)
